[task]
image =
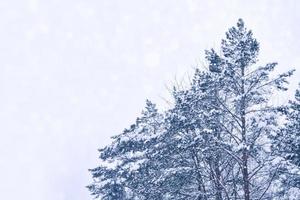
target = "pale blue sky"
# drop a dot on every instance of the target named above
(73, 73)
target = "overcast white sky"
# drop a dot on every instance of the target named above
(73, 73)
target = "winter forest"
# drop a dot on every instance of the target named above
(221, 139)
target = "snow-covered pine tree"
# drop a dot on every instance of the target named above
(231, 103)
(291, 150)
(191, 143)
(287, 146)
(124, 171)
(244, 97)
(290, 147)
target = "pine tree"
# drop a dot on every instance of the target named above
(291, 141)
(287, 146)
(244, 97)
(192, 142)
(123, 169)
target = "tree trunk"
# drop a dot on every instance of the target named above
(218, 179)
(245, 175)
(217, 157)
(244, 140)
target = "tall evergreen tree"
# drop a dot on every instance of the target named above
(243, 96)
(290, 141)
(287, 146)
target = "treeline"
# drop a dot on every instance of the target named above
(222, 138)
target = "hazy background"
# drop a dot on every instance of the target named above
(73, 73)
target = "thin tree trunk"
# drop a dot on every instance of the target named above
(244, 140)
(216, 162)
(218, 178)
(245, 175)
(234, 184)
(201, 184)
